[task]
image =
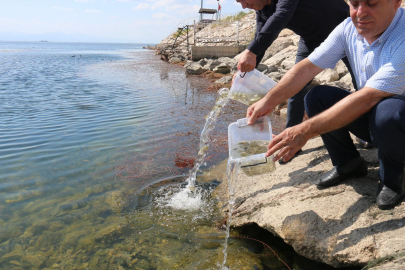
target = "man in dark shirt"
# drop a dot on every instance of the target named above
(313, 20)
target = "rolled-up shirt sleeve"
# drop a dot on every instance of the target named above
(331, 50)
(390, 77)
(268, 32)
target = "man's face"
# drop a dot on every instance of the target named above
(254, 4)
(372, 17)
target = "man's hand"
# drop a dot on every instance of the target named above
(260, 108)
(291, 83)
(247, 61)
(288, 142)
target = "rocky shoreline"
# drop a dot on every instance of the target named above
(278, 59)
(340, 226)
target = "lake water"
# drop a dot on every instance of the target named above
(94, 141)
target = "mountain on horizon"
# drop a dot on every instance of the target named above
(58, 37)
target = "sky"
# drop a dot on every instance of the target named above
(129, 21)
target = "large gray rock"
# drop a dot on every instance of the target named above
(261, 67)
(195, 68)
(270, 69)
(295, 39)
(224, 59)
(286, 33)
(326, 76)
(347, 80)
(276, 76)
(203, 62)
(233, 64)
(340, 84)
(391, 263)
(344, 83)
(188, 63)
(283, 113)
(340, 225)
(174, 60)
(237, 57)
(278, 45)
(223, 68)
(341, 69)
(212, 64)
(288, 62)
(279, 57)
(225, 79)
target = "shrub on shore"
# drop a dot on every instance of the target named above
(179, 33)
(234, 18)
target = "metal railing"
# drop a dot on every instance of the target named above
(231, 32)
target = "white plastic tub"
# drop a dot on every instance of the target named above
(248, 145)
(250, 87)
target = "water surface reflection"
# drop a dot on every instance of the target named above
(92, 150)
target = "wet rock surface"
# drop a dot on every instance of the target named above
(340, 225)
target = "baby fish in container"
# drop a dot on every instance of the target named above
(248, 145)
(250, 87)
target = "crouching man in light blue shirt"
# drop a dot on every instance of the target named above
(373, 40)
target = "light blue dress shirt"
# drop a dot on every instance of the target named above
(380, 65)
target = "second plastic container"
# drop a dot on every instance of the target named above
(248, 145)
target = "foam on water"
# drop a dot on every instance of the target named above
(183, 198)
(186, 200)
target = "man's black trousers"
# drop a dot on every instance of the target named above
(383, 125)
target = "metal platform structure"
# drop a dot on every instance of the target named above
(209, 11)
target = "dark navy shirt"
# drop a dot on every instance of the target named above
(313, 20)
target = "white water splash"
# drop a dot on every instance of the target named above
(186, 200)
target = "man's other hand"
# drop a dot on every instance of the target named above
(247, 61)
(260, 108)
(288, 142)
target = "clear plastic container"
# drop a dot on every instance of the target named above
(248, 145)
(250, 87)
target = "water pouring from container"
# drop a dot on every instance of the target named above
(250, 87)
(247, 148)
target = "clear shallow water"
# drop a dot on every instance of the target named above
(85, 132)
(94, 147)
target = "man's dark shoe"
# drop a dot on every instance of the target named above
(354, 168)
(364, 144)
(280, 161)
(380, 186)
(388, 199)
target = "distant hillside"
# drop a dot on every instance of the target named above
(225, 32)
